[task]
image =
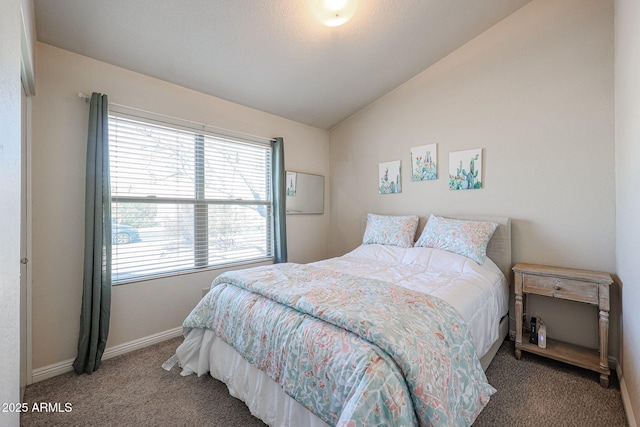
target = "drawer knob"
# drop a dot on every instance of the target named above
(558, 287)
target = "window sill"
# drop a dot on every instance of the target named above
(223, 267)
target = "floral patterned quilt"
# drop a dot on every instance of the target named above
(353, 350)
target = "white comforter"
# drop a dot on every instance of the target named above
(480, 293)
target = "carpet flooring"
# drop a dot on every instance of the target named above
(133, 390)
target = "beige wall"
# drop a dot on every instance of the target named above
(59, 139)
(536, 93)
(627, 92)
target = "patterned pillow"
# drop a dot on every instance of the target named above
(468, 238)
(390, 230)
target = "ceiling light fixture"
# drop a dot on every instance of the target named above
(333, 13)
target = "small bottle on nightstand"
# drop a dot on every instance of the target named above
(542, 334)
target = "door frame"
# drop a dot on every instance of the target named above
(26, 376)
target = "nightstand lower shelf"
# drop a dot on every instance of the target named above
(568, 353)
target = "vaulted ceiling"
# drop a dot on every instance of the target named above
(271, 55)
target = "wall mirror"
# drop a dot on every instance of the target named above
(305, 193)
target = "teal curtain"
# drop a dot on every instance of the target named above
(279, 199)
(96, 291)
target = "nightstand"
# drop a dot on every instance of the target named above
(585, 286)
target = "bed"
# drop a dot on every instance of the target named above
(395, 332)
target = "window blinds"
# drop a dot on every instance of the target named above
(186, 199)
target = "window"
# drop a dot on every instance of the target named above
(184, 199)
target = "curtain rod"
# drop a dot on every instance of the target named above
(223, 131)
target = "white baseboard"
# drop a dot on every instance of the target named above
(53, 370)
(127, 347)
(626, 400)
(49, 371)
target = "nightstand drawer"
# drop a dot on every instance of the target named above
(557, 287)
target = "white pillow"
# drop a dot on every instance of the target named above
(390, 230)
(468, 238)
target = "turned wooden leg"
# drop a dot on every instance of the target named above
(518, 315)
(604, 339)
(604, 347)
